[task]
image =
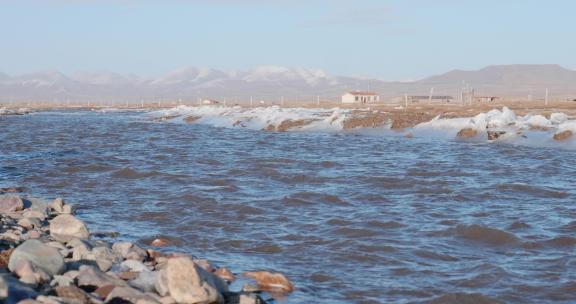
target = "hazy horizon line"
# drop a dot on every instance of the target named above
(255, 68)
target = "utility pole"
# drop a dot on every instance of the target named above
(546, 98)
(430, 96)
(406, 101)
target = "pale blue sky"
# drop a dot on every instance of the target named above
(389, 39)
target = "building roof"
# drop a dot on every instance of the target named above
(362, 93)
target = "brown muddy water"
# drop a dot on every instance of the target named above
(348, 218)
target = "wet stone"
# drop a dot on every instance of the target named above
(186, 282)
(66, 227)
(10, 203)
(72, 293)
(92, 278)
(43, 256)
(270, 281)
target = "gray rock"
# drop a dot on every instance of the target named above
(29, 301)
(91, 277)
(56, 245)
(30, 273)
(50, 300)
(187, 282)
(129, 294)
(80, 248)
(122, 248)
(68, 209)
(167, 300)
(32, 203)
(72, 294)
(104, 257)
(33, 234)
(129, 251)
(247, 299)
(66, 253)
(35, 213)
(12, 291)
(66, 227)
(145, 281)
(60, 280)
(80, 251)
(43, 256)
(133, 265)
(30, 223)
(11, 236)
(10, 203)
(72, 274)
(58, 206)
(161, 284)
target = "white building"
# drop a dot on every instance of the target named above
(360, 97)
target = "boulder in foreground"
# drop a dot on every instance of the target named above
(187, 282)
(42, 256)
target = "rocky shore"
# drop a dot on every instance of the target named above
(47, 255)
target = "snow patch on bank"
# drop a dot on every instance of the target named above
(504, 119)
(496, 125)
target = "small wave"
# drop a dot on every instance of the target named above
(463, 298)
(569, 227)
(564, 292)
(384, 225)
(561, 241)
(543, 192)
(266, 249)
(486, 235)
(518, 226)
(128, 173)
(322, 198)
(319, 277)
(429, 255)
(354, 232)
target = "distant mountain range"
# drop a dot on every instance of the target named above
(270, 82)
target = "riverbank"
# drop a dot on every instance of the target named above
(533, 126)
(47, 255)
